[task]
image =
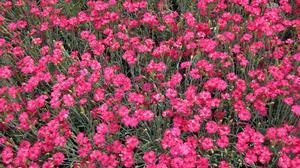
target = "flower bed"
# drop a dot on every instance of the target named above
(156, 84)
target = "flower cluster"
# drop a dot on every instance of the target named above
(194, 84)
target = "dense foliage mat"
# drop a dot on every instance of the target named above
(156, 84)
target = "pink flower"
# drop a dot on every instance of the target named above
(44, 26)
(211, 127)
(60, 141)
(34, 152)
(5, 72)
(102, 128)
(144, 115)
(175, 79)
(244, 115)
(265, 156)
(206, 143)
(171, 93)
(223, 142)
(193, 125)
(250, 158)
(7, 155)
(177, 162)
(132, 142)
(58, 158)
(99, 139)
(134, 97)
(223, 130)
(284, 161)
(205, 113)
(257, 138)
(99, 94)
(191, 21)
(215, 83)
(241, 147)
(129, 56)
(130, 121)
(194, 73)
(150, 19)
(68, 100)
(127, 158)
(202, 162)
(149, 157)
(207, 45)
(223, 164)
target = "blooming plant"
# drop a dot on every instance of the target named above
(155, 84)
